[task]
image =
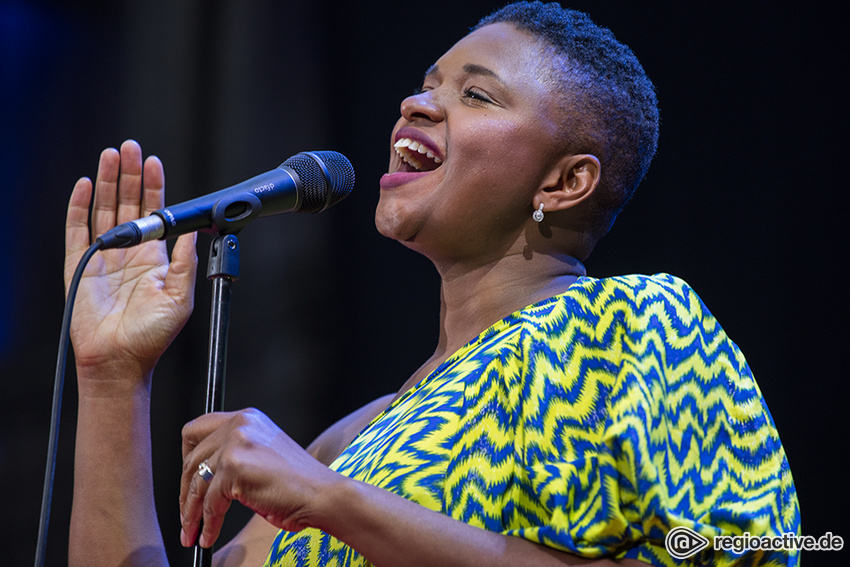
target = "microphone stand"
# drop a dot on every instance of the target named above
(222, 270)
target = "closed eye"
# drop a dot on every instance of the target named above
(476, 95)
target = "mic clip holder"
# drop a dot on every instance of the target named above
(224, 258)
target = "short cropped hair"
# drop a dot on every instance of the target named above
(608, 102)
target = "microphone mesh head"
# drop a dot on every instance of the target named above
(327, 177)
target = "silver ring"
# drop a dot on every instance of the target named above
(206, 472)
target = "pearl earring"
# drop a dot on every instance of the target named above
(538, 214)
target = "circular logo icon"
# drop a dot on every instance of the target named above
(682, 542)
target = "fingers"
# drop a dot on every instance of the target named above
(105, 188)
(225, 441)
(125, 188)
(208, 430)
(204, 510)
(129, 191)
(194, 509)
(180, 279)
(77, 220)
(193, 488)
(216, 504)
(199, 429)
(191, 503)
(153, 192)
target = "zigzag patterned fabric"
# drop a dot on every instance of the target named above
(593, 422)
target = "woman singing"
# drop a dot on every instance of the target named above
(561, 420)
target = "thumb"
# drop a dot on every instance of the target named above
(180, 280)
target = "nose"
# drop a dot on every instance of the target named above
(422, 105)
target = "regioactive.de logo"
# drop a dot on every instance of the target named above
(682, 542)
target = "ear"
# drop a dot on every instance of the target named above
(574, 180)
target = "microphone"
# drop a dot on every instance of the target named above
(308, 182)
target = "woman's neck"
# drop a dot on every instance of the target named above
(473, 299)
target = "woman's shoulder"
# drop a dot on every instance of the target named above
(594, 298)
(633, 286)
(597, 314)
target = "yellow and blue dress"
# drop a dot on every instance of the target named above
(593, 422)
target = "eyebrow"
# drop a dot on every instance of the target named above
(469, 68)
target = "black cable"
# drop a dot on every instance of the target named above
(58, 383)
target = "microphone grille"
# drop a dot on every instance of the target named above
(327, 177)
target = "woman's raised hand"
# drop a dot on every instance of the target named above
(131, 302)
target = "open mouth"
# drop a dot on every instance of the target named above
(416, 156)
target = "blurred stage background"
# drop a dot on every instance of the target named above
(745, 201)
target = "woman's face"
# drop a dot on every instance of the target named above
(472, 149)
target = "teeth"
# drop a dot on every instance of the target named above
(431, 155)
(413, 146)
(411, 161)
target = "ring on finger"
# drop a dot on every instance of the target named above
(206, 472)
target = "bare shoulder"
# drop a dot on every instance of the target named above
(338, 436)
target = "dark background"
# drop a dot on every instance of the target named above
(745, 201)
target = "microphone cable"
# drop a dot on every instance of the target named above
(58, 384)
